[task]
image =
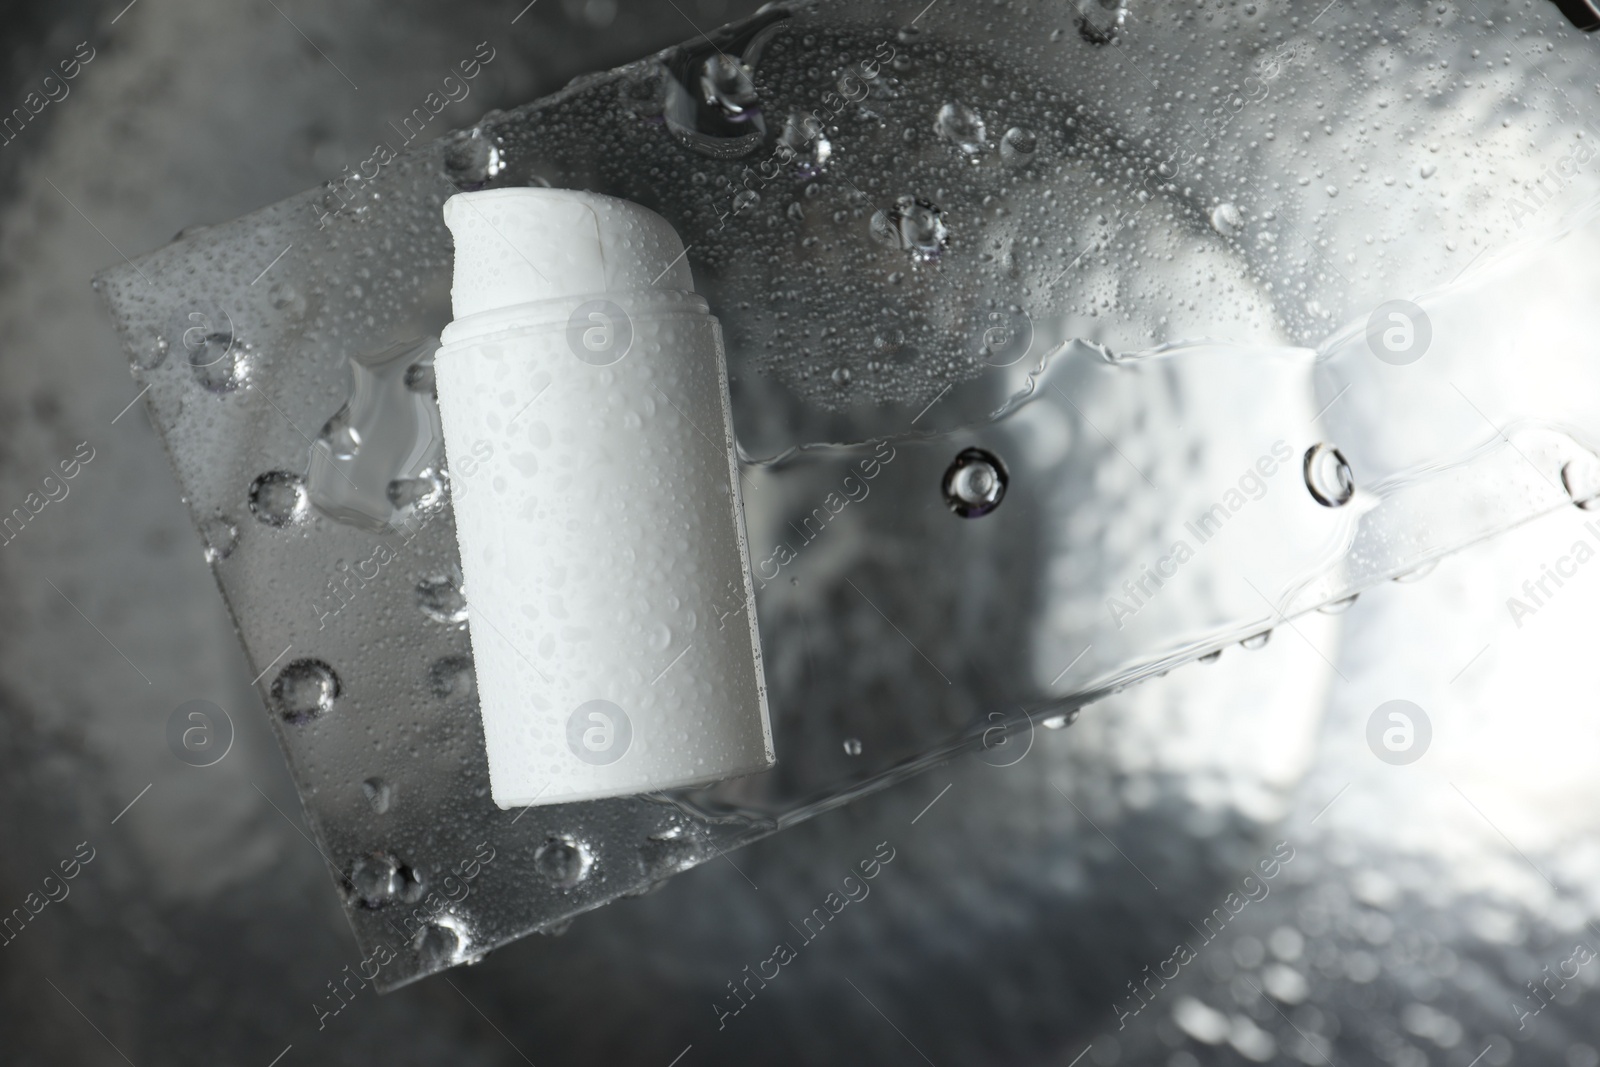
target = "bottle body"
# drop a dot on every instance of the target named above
(598, 513)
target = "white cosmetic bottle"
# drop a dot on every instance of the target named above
(584, 399)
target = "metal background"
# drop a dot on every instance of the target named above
(1007, 924)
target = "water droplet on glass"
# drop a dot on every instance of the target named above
(841, 376)
(852, 747)
(149, 349)
(305, 689)
(1428, 170)
(1339, 607)
(216, 359)
(344, 441)
(1211, 657)
(1328, 476)
(1018, 147)
(219, 536)
(1581, 479)
(804, 136)
(452, 678)
(386, 432)
(1227, 219)
(1099, 20)
(975, 483)
(1061, 722)
(472, 159)
(420, 379)
(1416, 574)
(962, 127)
(725, 83)
(379, 794)
(377, 879)
(421, 492)
(912, 224)
(564, 861)
(441, 599)
(440, 944)
(1256, 641)
(278, 498)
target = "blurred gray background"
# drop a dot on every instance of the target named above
(1017, 908)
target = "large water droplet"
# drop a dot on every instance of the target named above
(1328, 476)
(713, 110)
(378, 878)
(912, 224)
(305, 689)
(441, 599)
(1581, 479)
(1339, 607)
(1018, 147)
(1099, 20)
(220, 536)
(278, 498)
(564, 861)
(379, 794)
(804, 137)
(1256, 641)
(975, 483)
(472, 159)
(386, 434)
(453, 678)
(962, 127)
(1227, 219)
(217, 362)
(440, 944)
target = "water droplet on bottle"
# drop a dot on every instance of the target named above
(1339, 607)
(841, 376)
(453, 678)
(1581, 479)
(962, 127)
(852, 747)
(1428, 170)
(441, 599)
(1328, 476)
(220, 536)
(564, 861)
(1062, 721)
(1227, 219)
(975, 483)
(1018, 146)
(379, 794)
(278, 498)
(912, 224)
(305, 689)
(1256, 641)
